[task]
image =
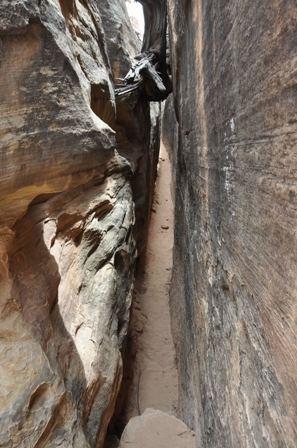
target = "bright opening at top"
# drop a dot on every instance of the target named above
(135, 12)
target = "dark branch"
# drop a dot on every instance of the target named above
(150, 74)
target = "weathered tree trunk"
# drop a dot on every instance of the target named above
(150, 74)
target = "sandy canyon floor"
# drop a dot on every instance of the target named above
(155, 375)
(151, 375)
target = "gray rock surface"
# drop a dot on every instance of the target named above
(233, 294)
(67, 248)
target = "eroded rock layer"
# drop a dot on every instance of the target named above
(234, 278)
(67, 241)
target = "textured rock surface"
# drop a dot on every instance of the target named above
(234, 278)
(66, 221)
(156, 429)
(137, 122)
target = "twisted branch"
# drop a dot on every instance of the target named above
(150, 73)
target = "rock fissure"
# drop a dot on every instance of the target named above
(147, 407)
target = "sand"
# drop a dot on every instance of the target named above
(154, 383)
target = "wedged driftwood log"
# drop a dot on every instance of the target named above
(150, 73)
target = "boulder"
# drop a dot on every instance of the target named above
(156, 429)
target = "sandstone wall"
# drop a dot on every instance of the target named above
(234, 279)
(66, 217)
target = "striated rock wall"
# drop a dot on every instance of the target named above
(234, 279)
(67, 242)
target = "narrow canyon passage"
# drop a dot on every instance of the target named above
(80, 124)
(149, 390)
(154, 372)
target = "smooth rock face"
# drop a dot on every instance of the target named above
(71, 264)
(67, 248)
(234, 277)
(156, 429)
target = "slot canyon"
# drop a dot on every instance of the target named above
(148, 224)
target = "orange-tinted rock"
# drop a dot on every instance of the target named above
(66, 222)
